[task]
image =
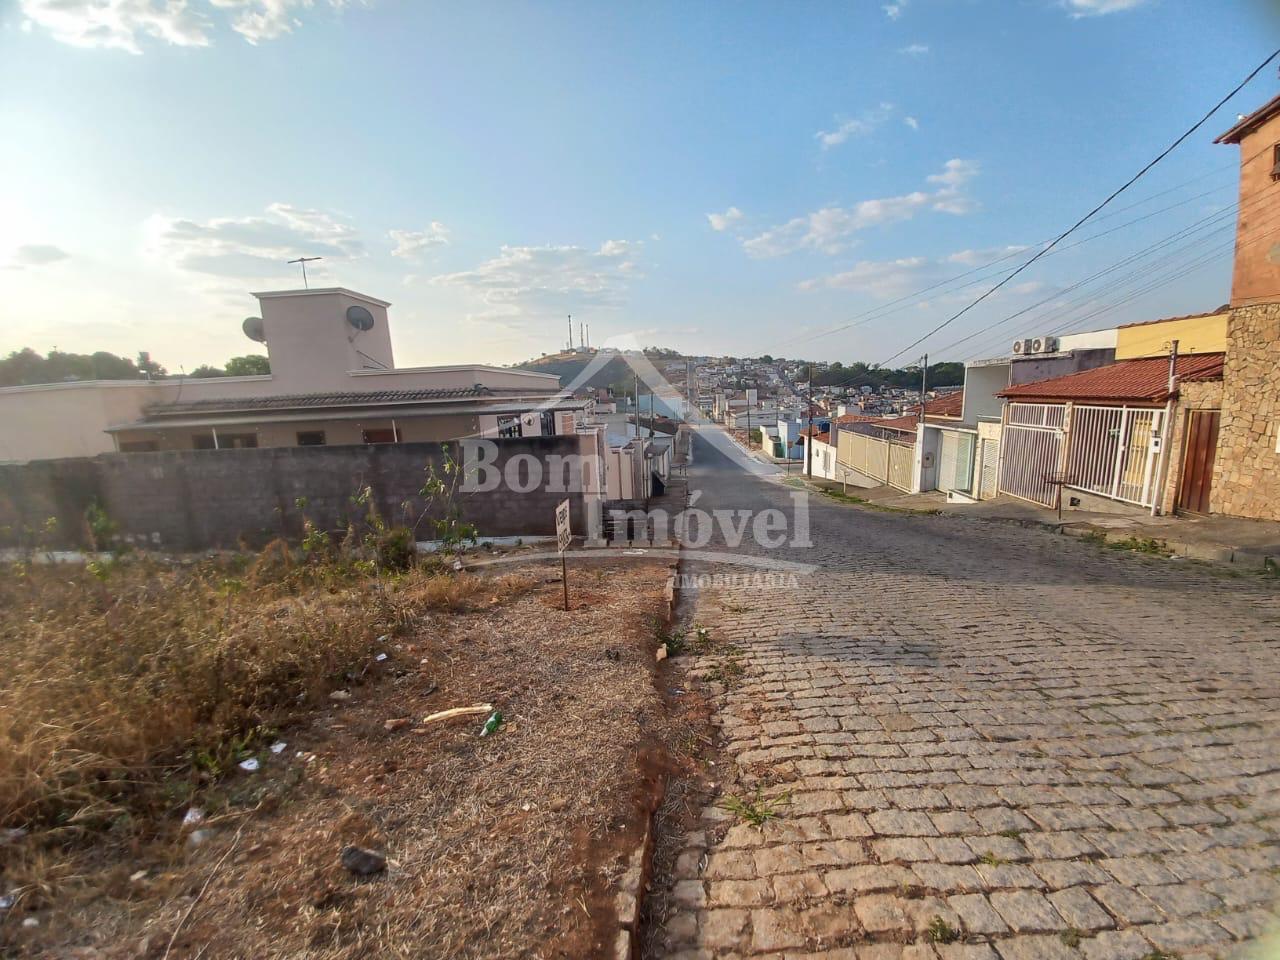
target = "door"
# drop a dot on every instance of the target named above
(1199, 447)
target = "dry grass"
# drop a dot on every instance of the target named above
(137, 694)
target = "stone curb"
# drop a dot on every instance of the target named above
(633, 885)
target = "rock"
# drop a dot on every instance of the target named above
(363, 862)
(341, 696)
(399, 723)
(137, 876)
(198, 837)
(661, 653)
(30, 922)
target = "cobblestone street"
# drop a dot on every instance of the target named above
(982, 741)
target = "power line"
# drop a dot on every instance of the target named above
(1132, 258)
(1062, 236)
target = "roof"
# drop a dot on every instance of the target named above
(1186, 316)
(947, 405)
(1246, 125)
(855, 418)
(311, 401)
(319, 292)
(1141, 381)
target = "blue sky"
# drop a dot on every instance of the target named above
(715, 177)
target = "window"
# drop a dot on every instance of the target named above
(508, 427)
(382, 436)
(1275, 162)
(138, 446)
(237, 441)
(311, 438)
(202, 441)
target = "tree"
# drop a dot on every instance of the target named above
(205, 372)
(252, 365)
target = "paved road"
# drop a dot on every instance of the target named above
(1039, 747)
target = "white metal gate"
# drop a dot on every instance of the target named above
(1031, 442)
(990, 469)
(955, 462)
(1111, 452)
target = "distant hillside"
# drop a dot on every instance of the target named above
(568, 367)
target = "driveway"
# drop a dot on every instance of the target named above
(980, 741)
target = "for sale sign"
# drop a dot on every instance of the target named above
(563, 535)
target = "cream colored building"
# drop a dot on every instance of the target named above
(333, 380)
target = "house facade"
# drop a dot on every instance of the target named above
(333, 380)
(1246, 470)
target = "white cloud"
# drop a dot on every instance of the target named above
(542, 280)
(1099, 8)
(892, 279)
(254, 247)
(829, 229)
(35, 255)
(413, 243)
(122, 24)
(894, 10)
(723, 221)
(867, 122)
(119, 24)
(911, 122)
(914, 49)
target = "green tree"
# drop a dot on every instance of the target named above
(248, 366)
(204, 372)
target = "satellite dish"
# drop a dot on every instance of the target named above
(360, 318)
(254, 330)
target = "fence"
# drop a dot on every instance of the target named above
(881, 460)
(1031, 448)
(1111, 452)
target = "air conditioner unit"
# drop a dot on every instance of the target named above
(1021, 346)
(1044, 345)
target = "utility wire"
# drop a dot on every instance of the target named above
(1075, 226)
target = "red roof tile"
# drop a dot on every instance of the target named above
(1141, 381)
(1246, 125)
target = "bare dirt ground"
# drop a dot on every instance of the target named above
(509, 845)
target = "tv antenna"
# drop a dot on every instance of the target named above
(304, 261)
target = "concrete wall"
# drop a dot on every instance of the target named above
(981, 384)
(1034, 369)
(1256, 275)
(312, 346)
(1194, 335)
(1246, 471)
(196, 500)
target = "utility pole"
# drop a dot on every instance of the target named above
(571, 333)
(1166, 431)
(808, 443)
(924, 384)
(637, 389)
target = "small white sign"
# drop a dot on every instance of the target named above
(563, 535)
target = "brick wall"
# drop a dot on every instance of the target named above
(195, 500)
(1246, 472)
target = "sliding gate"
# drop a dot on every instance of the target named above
(1030, 448)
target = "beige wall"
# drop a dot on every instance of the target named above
(337, 432)
(1256, 276)
(1194, 335)
(1246, 471)
(312, 346)
(64, 420)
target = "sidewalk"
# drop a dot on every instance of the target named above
(1251, 543)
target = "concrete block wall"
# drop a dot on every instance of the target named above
(201, 499)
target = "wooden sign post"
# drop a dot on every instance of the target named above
(563, 538)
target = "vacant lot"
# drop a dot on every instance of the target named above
(137, 694)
